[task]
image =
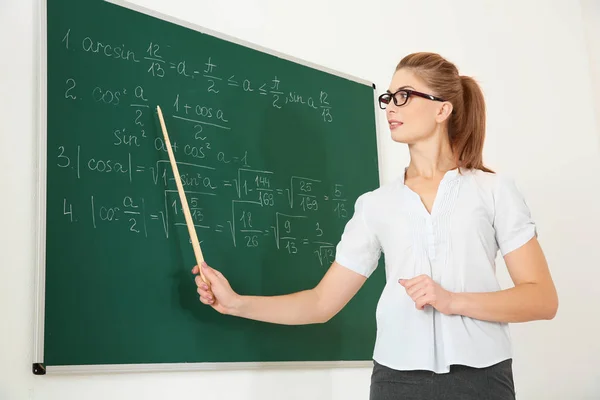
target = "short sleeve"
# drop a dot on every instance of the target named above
(513, 223)
(358, 248)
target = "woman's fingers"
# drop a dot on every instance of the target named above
(210, 273)
(205, 293)
(418, 293)
(206, 296)
(200, 283)
(423, 301)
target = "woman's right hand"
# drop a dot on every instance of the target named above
(217, 293)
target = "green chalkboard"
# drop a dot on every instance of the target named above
(272, 151)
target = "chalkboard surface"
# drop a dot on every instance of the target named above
(272, 153)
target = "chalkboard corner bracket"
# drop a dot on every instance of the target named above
(39, 369)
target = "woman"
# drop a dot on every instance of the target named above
(442, 320)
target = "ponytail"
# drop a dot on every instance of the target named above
(466, 125)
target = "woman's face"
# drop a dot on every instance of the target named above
(416, 120)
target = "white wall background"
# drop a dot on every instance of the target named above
(591, 25)
(538, 64)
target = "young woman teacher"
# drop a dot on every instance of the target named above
(442, 320)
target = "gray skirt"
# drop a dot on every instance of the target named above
(461, 383)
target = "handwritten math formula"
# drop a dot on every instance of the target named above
(155, 60)
(264, 208)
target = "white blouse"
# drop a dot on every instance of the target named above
(474, 215)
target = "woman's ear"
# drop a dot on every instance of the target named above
(444, 112)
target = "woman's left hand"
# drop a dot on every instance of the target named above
(424, 291)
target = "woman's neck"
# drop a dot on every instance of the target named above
(431, 158)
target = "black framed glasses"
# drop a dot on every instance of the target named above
(401, 97)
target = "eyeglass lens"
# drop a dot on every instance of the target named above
(399, 97)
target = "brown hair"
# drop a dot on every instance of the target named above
(466, 125)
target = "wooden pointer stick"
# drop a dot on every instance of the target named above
(184, 203)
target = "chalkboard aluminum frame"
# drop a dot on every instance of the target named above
(38, 367)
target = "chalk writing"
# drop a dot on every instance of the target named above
(291, 214)
(157, 62)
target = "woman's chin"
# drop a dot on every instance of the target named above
(399, 138)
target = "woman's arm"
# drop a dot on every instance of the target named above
(310, 306)
(533, 297)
